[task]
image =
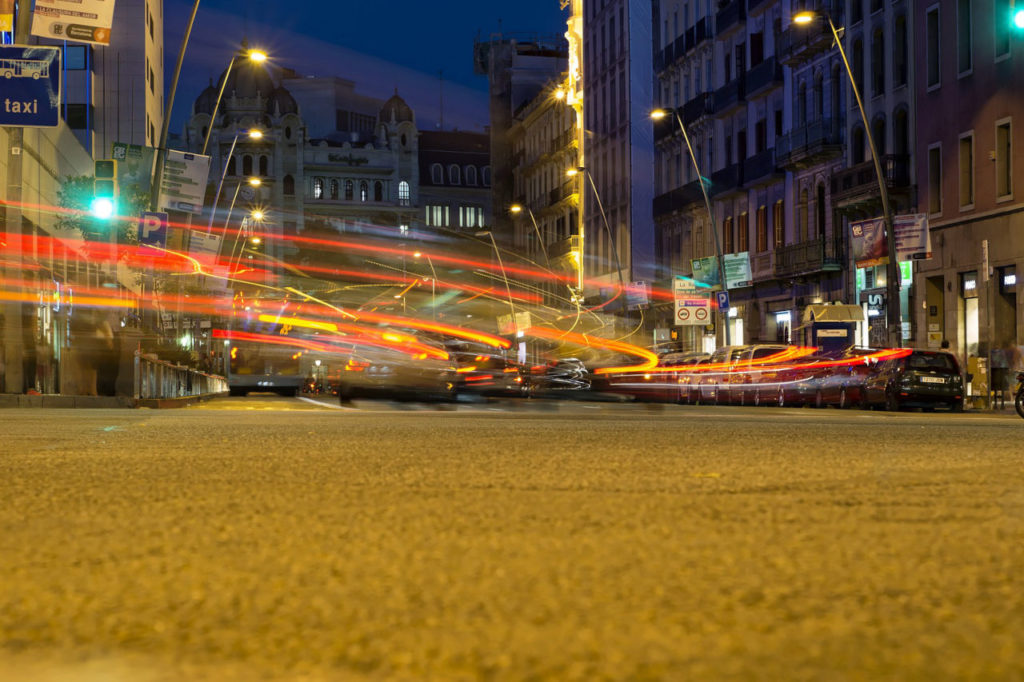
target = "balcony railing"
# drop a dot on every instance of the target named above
(564, 247)
(759, 167)
(814, 255)
(861, 179)
(763, 76)
(701, 32)
(809, 144)
(678, 199)
(761, 266)
(730, 15)
(697, 108)
(564, 192)
(730, 94)
(727, 179)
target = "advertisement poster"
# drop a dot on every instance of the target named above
(705, 273)
(134, 166)
(737, 270)
(868, 243)
(913, 241)
(84, 21)
(184, 182)
(7, 15)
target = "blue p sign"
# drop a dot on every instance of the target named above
(153, 230)
(723, 300)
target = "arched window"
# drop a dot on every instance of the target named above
(802, 216)
(857, 146)
(801, 106)
(877, 63)
(454, 175)
(264, 163)
(819, 210)
(232, 166)
(289, 185)
(834, 87)
(364, 191)
(487, 176)
(246, 165)
(403, 193)
(436, 174)
(727, 235)
(378, 191)
(288, 133)
(819, 97)
(318, 188)
(779, 224)
(334, 189)
(471, 175)
(900, 133)
(858, 64)
(878, 132)
(349, 190)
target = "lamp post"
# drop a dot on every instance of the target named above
(255, 56)
(892, 283)
(254, 134)
(508, 289)
(253, 182)
(657, 115)
(433, 283)
(611, 239)
(516, 209)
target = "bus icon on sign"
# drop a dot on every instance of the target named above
(24, 68)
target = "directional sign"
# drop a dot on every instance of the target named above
(723, 300)
(153, 229)
(30, 86)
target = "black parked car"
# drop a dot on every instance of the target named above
(920, 379)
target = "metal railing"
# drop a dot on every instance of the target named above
(158, 379)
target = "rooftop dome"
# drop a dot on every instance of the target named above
(282, 101)
(206, 100)
(396, 108)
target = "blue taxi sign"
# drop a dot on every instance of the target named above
(30, 92)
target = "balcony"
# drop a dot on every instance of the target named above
(564, 248)
(730, 15)
(730, 95)
(561, 193)
(764, 77)
(697, 108)
(728, 179)
(762, 266)
(805, 258)
(760, 168)
(678, 199)
(701, 32)
(860, 182)
(809, 145)
(797, 44)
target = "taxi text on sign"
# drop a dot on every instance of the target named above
(30, 86)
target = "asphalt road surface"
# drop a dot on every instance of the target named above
(266, 538)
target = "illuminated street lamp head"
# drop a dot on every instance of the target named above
(659, 114)
(805, 17)
(255, 134)
(257, 56)
(572, 172)
(255, 240)
(417, 254)
(256, 215)
(255, 182)
(515, 208)
(559, 93)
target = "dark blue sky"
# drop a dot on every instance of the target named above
(379, 46)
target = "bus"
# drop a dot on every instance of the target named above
(261, 355)
(25, 68)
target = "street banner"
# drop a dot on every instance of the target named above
(134, 166)
(705, 273)
(84, 21)
(737, 270)
(30, 96)
(7, 15)
(868, 243)
(913, 240)
(184, 182)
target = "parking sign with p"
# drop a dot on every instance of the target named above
(153, 230)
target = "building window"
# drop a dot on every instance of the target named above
(935, 178)
(1004, 160)
(264, 162)
(289, 185)
(899, 55)
(743, 233)
(232, 167)
(454, 175)
(727, 243)
(403, 193)
(967, 170)
(471, 175)
(77, 116)
(858, 65)
(487, 176)
(857, 146)
(778, 224)
(437, 216)
(74, 57)
(877, 63)
(334, 189)
(378, 191)
(964, 37)
(349, 190)
(762, 229)
(802, 216)
(247, 165)
(364, 191)
(1002, 27)
(436, 174)
(932, 46)
(318, 188)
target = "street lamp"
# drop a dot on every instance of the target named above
(657, 115)
(255, 56)
(516, 209)
(892, 284)
(508, 289)
(572, 172)
(254, 134)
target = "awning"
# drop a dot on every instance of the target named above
(833, 312)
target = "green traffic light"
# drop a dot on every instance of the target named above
(1018, 18)
(102, 208)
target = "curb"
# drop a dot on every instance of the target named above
(99, 402)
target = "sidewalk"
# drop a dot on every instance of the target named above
(11, 400)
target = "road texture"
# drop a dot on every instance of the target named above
(276, 539)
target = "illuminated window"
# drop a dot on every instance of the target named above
(334, 189)
(318, 188)
(349, 190)
(364, 191)
(762, 229)
(403, 193)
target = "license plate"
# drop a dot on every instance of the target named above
(933, 380)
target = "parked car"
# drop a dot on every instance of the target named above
(489, 374)
(712, 382)
(743, 382)
(394, 375)
(659, 384)
(557, 377)
(920, 378)
(844, 385)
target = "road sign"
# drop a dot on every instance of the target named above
(85, 21)
(184, 182)
(153, 229)
(30, 91)
(723, 300)
(692, 310)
